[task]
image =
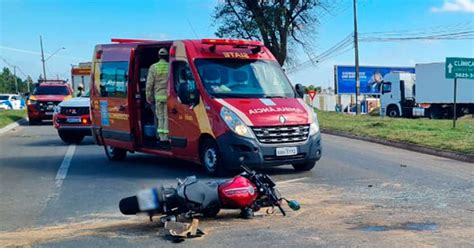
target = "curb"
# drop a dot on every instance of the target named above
(406, 146)
(13, 125)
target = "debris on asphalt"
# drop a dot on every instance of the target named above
(180, 230)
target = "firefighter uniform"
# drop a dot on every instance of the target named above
(157, 92)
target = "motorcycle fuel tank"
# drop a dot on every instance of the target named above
(239, 192)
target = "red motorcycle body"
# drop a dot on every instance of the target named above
(239, 192)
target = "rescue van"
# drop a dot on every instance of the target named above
(227, 100)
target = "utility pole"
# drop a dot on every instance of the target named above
(16, 82)
(28, 84)
(42, 58)
(356, 49)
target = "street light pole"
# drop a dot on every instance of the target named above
(42, 58)
(54, 53)
(356, 49)
(16, 82)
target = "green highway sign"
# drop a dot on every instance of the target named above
(460, 68)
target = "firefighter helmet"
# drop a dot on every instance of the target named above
(163, 52)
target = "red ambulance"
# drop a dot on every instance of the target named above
(228, 99)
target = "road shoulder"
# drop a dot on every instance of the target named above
(13, 125)
(406, 146)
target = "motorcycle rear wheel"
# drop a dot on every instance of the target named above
(211, 213)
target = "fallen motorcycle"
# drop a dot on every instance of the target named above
(250, 191)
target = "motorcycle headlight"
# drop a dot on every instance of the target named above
(314, 127)
(31, 102)
(235, 123)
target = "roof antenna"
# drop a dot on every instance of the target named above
(192, 28)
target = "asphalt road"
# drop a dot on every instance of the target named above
(360, 194)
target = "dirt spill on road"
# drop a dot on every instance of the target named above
(115, 225)
(99, 226)
(327, 216)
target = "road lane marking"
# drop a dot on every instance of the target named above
(62, 171)
(292, 180)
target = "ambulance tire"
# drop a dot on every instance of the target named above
(304, 166)
(211, 158)
(114, 153)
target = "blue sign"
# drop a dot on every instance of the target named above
(104, 113)
(371, 78)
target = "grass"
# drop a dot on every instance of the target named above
(9, 116)
(430, 133)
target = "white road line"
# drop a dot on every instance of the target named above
(62, 172)
(291, 180)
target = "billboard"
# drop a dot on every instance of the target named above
(370, 78)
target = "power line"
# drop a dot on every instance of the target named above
(461, 31)
(464, 35)
(39, 53)
(462, 26)
(11, 65)
(342, 46)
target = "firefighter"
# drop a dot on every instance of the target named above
(80, 91)
(157, 93)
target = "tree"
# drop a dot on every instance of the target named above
(312, 87)
(7, 82)
(277, 23)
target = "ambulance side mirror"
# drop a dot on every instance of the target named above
(186, 96)
(299, 90)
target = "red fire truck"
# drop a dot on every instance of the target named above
(228, 99)
(45, 97)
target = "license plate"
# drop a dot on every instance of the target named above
(49, 113)
(286, 151)
(73, 120)
(147, 199)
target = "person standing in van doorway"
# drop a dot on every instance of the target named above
(80, 91)
(157, 93)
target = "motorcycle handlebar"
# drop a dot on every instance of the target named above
(275, 201)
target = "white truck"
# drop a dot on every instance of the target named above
(428, 93)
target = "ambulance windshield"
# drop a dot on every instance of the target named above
(226, 78)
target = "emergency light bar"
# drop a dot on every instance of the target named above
(231, 42)
(123, 41)
(52, 81)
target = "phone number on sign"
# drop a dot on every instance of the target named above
(464, 75)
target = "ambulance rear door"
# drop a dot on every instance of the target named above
(110, 106)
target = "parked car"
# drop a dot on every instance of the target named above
(11, 101)
(46, 96)
(72, 119)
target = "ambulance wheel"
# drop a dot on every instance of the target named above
(304, 166)
(114, 153)
(211, 158)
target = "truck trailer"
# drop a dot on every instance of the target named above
(426, 94)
